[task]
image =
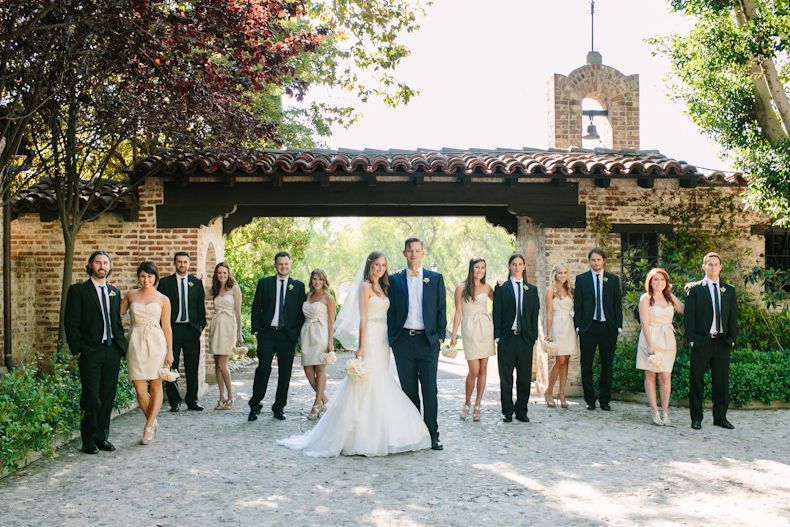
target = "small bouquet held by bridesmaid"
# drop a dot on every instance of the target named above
(166, 374)
(449, 351)
(328, 358)
(549, 347)
(240, 350)
(357, 370)
(654, 360)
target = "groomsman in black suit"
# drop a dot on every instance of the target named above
(598, 317)
(187, 318)
(711, 321)
(277, 320)
(95, 336)
(416, 327)
(516, 307)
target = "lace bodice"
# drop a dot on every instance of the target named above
(377, 348)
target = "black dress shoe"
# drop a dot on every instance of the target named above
(724, 424)
(523, 418)
(278, 414)
(696, 425)
(90, 449)
(606, 408)
(591, 406)
(508, 418)
(254, 413)
(175, 407)
(106, 446)
(436, 445)
(195, 406)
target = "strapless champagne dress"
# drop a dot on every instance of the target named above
(663, 336)
(477, 329)
(563, 334)
(315, 333)
(147, 345)
(222, 331)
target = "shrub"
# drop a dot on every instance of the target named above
(37, 407)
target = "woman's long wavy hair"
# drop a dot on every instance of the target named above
(649, 286)
(469, 283)
(555, 285)
(320, 273)
(385, 281)
(215, 285)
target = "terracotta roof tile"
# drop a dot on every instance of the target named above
(41, 196)
(553, 162)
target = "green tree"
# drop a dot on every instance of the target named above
(732, 71)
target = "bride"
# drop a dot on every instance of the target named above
(372, 416)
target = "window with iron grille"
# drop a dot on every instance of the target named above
(639, 254)
(777, 251)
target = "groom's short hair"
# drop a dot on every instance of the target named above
(413, 240)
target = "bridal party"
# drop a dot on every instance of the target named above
(395, 322)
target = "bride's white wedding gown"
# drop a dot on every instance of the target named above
(371, 417)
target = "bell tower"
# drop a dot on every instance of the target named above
(617, 122)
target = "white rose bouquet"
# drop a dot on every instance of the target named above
(655, 360)
(240, 350)
(449, 351)
(549, 347)
(168, 375)
(328, 358)
(357, 370)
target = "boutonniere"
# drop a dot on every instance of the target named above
(723, 289)
(191, 284)
(426, 280)
(605, 279)
(526, 287)
(112, 294)
(290, 286)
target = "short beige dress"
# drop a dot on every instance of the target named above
(315, 333)
(663, 336)
(477, 329)
(563, 334)
(223, 330)
(147, 344)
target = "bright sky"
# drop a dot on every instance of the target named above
(482, 68)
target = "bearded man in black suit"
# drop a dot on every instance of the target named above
(276, 320)
(95, 336)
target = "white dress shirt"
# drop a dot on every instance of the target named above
(709, 283)
(185, 280)
(414, 317)
(518, 285)
(107, 323)
(603, 316)
(276, 317)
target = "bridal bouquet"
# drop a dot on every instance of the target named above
(166, 374)
(357, 370)
(549, 347)
(240, 350)
(449, 351)
(328, 358)
(655, 360)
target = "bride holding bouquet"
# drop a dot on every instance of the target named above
(370, 415)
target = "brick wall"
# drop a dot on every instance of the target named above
(37, 252)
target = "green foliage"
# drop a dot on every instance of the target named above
(250, 250)
(732, 71)
(761, 375)
(36, 408)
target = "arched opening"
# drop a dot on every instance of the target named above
(596, 102)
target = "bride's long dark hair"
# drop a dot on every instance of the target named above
(384, 281)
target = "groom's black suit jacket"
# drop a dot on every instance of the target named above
(698, 315)
(264, 303)
(196, 299)
(84, 321)
(505, 312)
(584, 301)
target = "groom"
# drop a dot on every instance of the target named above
(417, 323)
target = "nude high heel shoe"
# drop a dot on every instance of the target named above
(149, 430)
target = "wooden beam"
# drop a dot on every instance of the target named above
(230, 181)
(277, 180)
(646, 182)
(371, 181)
(603, 182)
(324, 180)
(688, 182)
(419, 181)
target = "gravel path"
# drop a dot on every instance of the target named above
(565, 467)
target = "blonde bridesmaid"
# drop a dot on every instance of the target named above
(560, 328)
(477, 331)
(225, 328)
(317, 337)
(656, 310)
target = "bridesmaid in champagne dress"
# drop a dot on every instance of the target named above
(150, 344)
(477, 331)
(317, 337)
(656, 310)
(225, 329)
(559, 327)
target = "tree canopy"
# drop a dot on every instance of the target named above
(732, 71)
